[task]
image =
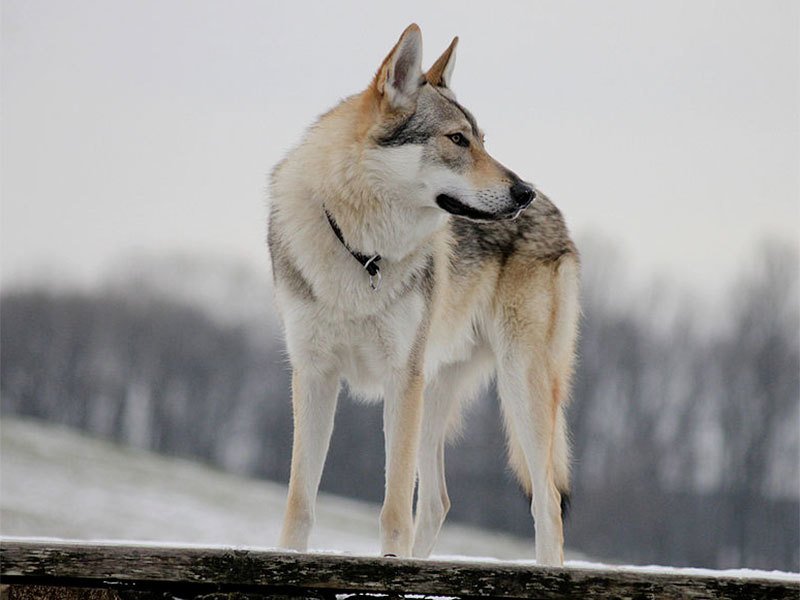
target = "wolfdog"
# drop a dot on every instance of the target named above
(411, 264)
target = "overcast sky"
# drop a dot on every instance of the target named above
(670, 128)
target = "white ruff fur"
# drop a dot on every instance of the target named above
(398, 221)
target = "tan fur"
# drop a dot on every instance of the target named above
(379, 81)
(435, 74)
(487, 172)
(397, 523)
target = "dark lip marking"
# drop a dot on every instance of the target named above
(459, 209)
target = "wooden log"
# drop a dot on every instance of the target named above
(198, 572)
(49, 592)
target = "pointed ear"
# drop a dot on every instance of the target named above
(400, 76)
(441, 73)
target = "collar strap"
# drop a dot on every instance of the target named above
(370, 263)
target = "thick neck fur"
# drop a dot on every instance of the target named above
(338, 166)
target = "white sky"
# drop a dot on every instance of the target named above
(669, 127)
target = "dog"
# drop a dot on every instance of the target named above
(411, 264)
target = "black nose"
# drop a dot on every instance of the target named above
(522, 193)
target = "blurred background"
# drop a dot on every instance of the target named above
(136, 310)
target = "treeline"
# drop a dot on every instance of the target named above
(685, 434)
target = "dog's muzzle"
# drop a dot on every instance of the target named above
(521, 193)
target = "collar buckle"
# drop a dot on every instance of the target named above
(370, 263)
(374, 271)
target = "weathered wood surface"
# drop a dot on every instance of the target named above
(139, 573)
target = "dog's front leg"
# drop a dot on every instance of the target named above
(314, 404)
(402, 418)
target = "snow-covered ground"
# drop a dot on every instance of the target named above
(55, 482)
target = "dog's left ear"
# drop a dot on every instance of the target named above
(441, 73)
(400, 76)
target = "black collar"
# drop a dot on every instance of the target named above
(370, 263)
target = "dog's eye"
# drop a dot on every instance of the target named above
(459, 140)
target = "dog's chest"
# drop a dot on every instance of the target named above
(381, 347)
(369, 352)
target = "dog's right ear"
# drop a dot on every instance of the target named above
(400, 76)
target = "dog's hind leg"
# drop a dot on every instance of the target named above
(444, 397)
(536, 331)
(314, 404)
(525, 393)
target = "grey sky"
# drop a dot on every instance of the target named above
(672, 127)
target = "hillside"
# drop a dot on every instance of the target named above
(55, 482)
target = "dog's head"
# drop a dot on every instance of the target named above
(421, 140)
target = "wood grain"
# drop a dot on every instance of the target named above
(142, 571)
